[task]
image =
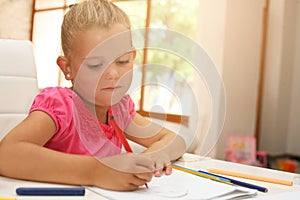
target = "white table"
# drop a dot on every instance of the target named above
(196, 162)
(8, 186)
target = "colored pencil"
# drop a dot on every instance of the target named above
(44, 191)
(252, 177)
(240, 183)
(122, 137)
(203, 175)
(7, 198)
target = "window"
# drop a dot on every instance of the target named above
(46, 39)
(152, 65)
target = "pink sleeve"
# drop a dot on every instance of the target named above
(53, 101)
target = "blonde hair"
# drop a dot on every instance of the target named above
(89, 14)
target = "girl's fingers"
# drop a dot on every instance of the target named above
(145, 162)
(158, 173)
(140, 179)
(160, 168)
(144, 176)
(168, 169)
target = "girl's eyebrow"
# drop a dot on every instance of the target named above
(94, 57)
(102, 57)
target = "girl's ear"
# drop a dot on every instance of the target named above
(62, 62)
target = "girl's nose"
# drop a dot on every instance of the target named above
(111, 72)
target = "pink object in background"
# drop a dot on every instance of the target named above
(242, 149)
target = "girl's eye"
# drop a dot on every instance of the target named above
(123, 62)
(92, 66)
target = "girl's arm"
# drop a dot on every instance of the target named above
(23, 156)
(162, 144)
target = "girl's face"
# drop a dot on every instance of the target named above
(101, 63)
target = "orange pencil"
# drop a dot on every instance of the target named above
(252, 177)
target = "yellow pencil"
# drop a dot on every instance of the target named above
(7, 198)
(214, 178)
(252, 177)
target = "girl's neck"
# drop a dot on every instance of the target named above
(101, 112)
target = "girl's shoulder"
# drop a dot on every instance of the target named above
(124, 105)
(52, 98)
(57, 92)
(56, 102)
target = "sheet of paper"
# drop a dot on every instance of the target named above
(285, 195)
(179, 185)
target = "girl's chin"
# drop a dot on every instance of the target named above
(108, 101)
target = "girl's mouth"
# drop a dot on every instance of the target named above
(110, 89)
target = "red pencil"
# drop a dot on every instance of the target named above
(122, 137)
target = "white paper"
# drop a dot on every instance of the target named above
(180, 185)
(291, 195)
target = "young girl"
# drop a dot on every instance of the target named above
(69, 135)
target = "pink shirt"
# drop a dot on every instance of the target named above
(77, 130)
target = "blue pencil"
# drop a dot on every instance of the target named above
(239, 183)
(43, 191)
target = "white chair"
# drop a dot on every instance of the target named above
(18, 82)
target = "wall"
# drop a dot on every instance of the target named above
(293, 139)
(231, 34)
(237, 51)
(211, 31)
(15, 19)
(280, 115)
(243, 39)
(272, 79)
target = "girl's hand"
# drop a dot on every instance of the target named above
(124, 172)
(162, 163)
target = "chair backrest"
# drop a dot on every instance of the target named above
(18, 82)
